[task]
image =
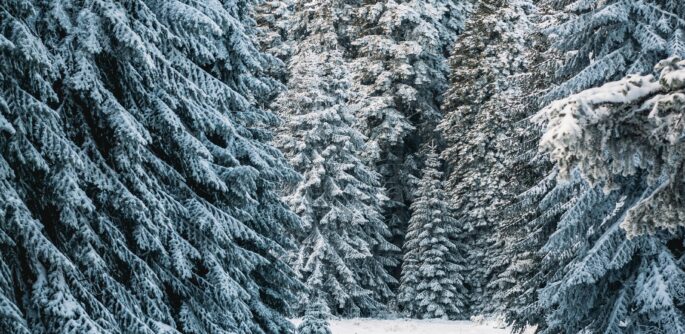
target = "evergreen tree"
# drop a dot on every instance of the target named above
(494, 83)
(526, 221)
(432, 284)
(137, 185)
(273, 18)
(399, 70)
(597, 279)
(315, 319)
(534, 218)
(604, 282)
(339, 198)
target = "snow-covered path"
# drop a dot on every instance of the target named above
(410, 326)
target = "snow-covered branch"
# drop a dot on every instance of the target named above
(630, 127)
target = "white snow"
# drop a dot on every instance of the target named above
(411, 326)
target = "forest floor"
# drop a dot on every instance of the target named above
(412, 326)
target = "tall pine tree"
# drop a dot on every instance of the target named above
(339, 197)
(137, 185)
(631, 284)
(492, 92)
(315, 319)
(432, 283)
(605, 40)
(599, 280)
(399, 67)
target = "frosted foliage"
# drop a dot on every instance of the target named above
(399, 73)
(590, 265)
(611, 147)
(486, 143)
(432, 283)
(604, 281)
(606, 40)
(400, 65)
(273, 18)
(137, 185)
(315, 319)
(635, 124)
(339, 198)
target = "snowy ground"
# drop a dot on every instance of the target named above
(407, 326)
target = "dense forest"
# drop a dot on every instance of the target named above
(222, 166)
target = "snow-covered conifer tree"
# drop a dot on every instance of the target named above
(399, 67)
(339, 198)
(599, 280)
(273, 19)
(485, 142)
(636, 283)
(137, 185)
(315, 319)
(432, 283)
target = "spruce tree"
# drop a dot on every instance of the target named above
(273, 18)
(494, 82)
(601, 280)
(138, 190)
(432, 283)
(398, 52)
(315, 319)
(593, 272)
(634, 122)
(339, 198)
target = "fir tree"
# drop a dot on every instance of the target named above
(315, 319)
(432, 284)
(399, 69)
(590, 267)
(339, 198)
(138, 191)
(273, 18)
(603, 281)
(492, 92)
